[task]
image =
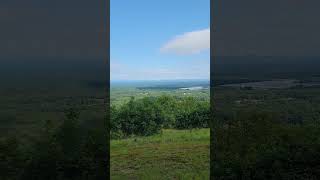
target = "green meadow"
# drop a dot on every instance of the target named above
(159, 130)
(172, 154)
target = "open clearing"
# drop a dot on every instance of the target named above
(174, 154)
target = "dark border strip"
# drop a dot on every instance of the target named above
(213, 140)
(105, 50)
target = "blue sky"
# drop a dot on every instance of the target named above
(154, 40)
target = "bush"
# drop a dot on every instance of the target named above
(256, 145)
(140, 117)
(149, 115)
(67, 152)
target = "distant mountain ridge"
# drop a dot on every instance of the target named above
(266, 65)
(162, 84)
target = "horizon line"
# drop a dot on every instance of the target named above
(208, 79)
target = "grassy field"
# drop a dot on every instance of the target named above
(174, 154)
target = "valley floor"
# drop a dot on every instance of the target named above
(174, 154)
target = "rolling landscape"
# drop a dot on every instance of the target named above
(53, 120)
(177, 90)
(270, 120)
(177, 146)
(159, 94)
(264, 121)
(266, 118)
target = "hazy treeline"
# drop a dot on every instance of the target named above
(271, 135)
(147, 116)
(70, 150)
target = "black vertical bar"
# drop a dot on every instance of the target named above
(212, 57)
(108, 83)
(105, 48)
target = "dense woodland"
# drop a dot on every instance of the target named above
(266, 134)
(256, 134)
(75, 149)
(69, 151)
(149, 115)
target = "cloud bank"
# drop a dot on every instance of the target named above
(188, 43)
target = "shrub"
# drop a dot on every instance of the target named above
(149, 115)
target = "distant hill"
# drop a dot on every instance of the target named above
(55, 73)
(161, 84)
(266, 65)
(238, 69)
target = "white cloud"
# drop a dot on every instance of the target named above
(188, 43)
